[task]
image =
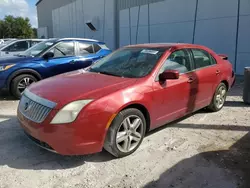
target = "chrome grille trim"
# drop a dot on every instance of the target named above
(39, 100)
(34, 107)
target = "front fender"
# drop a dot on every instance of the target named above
(22, 71)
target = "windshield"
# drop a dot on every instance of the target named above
(38, 48)
(129, 62)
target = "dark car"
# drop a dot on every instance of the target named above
(46, 59)
(114, 102)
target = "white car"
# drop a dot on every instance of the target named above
(17, 46)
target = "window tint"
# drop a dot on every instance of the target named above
(97, 48)
(85, 48)
(178, 60)
(201, 58)
(63, 49)
(18, 46)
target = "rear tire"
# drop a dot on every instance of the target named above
(126, 133)
(219, 98)
(20, 83)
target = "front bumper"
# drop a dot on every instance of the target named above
(79, 138)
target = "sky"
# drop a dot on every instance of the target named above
(25, 8)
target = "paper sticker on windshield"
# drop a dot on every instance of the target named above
(154, 52)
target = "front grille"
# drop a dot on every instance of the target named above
(40, 143)
(35, 108)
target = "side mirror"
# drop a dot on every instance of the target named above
(48, 55)
(223, 56)
(169, 75)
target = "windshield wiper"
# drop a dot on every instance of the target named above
(108, 73)
(103, 72)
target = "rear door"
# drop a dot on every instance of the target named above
(85, 55)
(206, 76)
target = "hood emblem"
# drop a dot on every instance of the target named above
(26, 106)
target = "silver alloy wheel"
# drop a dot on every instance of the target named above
(129, 134)
(25, 82)
(220, 97)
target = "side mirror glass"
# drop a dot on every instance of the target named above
(48, 55)
(169, 75)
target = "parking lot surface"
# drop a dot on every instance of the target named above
(202, 150)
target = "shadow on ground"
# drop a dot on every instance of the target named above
(226, 168)
(5, 96)
(17, 151)
(236, 104)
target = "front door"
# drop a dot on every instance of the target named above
(172, 98)
(63, 60)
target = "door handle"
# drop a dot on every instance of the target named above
(190, 80)
(217, 72)
(72, 62)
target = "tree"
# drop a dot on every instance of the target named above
(34, 32)
(15, 27)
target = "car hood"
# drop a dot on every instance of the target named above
(14, 60)
(78, 85)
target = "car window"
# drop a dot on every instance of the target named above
(214, 62)
(178, 60)
(85, 48)
(201, 58)
(33, 43)
(17, 46)
(63, 49)
(97, 47)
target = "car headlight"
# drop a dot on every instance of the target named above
(6, 67)
(70, 112)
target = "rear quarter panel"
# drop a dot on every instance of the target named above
(226, 69)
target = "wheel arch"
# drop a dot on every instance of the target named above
(226, 83)
(144, 111)
(23, 71)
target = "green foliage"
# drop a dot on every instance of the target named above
(34, 33)
(15, 27)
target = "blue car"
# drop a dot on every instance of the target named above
(46, 59)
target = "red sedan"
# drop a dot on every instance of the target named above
(116, 101)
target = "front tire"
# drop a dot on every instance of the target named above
(126, 133)
(219, 98)
(20, 83)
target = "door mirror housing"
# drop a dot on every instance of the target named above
(169, 75)
(223, 56)
(48, 55)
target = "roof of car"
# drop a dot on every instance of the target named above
(28, 39)
(79, 39)
(83, 39)
(163, 45)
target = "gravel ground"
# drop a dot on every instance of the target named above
(208, 150)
